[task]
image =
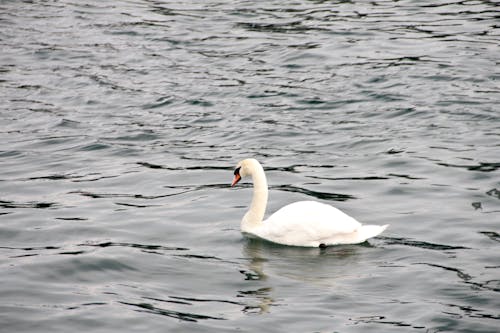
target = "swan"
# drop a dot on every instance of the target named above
(303, 223)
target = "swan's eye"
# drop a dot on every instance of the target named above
(237, 171)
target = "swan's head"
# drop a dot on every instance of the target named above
(245, 168)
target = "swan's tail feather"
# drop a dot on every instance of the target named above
(369, 231)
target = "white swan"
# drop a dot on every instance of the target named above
(303, 223)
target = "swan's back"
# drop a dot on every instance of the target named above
(309, 223)
(321, 215)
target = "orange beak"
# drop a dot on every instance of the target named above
(236, 179)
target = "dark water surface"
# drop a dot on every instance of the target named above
(121, 122)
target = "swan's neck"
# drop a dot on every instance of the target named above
(255, 215)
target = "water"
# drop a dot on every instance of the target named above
(121, 122)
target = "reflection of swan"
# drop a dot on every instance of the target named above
(272, 263)
(303, 223)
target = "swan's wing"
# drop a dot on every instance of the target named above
(307, 223)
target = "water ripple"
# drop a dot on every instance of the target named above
(136, 246)
(16, 205)
(421, 244)
(122, 122)
(183, 316)
(314, 194)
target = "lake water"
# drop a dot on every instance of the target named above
(122, 121)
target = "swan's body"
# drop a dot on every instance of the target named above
(303, 223)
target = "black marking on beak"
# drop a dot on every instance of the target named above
(237, 171)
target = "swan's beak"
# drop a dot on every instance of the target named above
(236, 179)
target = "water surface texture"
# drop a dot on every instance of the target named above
(121, 122)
